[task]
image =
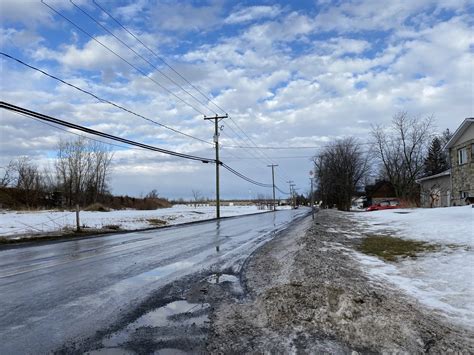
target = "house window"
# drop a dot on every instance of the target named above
(462, 156)
(463, 194)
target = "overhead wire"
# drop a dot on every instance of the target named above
(140, 56)
(50, 119)
(265, 159)
(181, 76)
(122, 58)
(175, 71)
(104, 100)
(255, 146)
(157, 56)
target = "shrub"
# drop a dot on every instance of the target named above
(96, 207)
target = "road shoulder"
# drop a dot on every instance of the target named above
(306, 292)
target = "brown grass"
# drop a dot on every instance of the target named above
(393, 248)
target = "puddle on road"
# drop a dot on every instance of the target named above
(178, 313)
(220, 278)
(232, 281)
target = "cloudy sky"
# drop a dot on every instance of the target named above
(289, 74)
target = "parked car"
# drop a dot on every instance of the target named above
(384, 205)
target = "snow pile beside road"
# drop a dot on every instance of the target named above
(18, 223)
(442, 280)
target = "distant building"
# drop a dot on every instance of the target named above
(435, 190)
(378, 192)
(461, 153)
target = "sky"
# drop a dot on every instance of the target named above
(288, 74)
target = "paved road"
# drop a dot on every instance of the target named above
(56, 292)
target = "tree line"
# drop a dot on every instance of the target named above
(80, 175)
(401, 153)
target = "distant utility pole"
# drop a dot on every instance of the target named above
(293, 195)
(273, 183)
(290, 182)
(216, 119)
(312, 194)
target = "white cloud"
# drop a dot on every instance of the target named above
(183, 16)
(253, 13)
(281, 86)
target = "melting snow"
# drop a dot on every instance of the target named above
(14, 223)
(442, 280)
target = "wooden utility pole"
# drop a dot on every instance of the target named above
(290, 182)
(78, 223)
(216, 119)
(273, 184)
(293, 196)
(312, 196)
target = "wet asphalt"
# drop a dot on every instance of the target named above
(56, 293)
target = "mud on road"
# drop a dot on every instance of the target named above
(302, 292)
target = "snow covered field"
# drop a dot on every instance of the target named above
(442, 280)
(20, 223)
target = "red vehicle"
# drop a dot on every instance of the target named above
(384, 205)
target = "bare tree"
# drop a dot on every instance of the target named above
(197, 197)
(82, 170)
(8, 174)
(339, 169)
(28, 179)
(401, 149)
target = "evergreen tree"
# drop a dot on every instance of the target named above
(445, 137)
(435, 162)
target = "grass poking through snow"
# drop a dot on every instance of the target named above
(391, 248)
(156, 222)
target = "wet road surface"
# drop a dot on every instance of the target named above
(57, 292)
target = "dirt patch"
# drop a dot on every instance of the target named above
(157, 222)
(392, 248)
(306, 293)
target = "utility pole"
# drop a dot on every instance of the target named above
(293, 196)
(290, 182)
(216, 119)
(273, 183)
(312, 194)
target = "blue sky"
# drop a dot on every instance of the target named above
(289, 74)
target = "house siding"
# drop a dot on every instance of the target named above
(462, 176)
(436, 192)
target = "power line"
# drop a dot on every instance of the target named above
(284, 148)
(50, 119)
(235, 172)
(140, 56)
(288, 157)
(283, 192)
(104, 100)
(251, 152)
(76, 134)
(122, 58)
(258, 149)
(47, 118)
(157, 56)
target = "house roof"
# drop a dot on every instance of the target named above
(444, 173)
(459, 132)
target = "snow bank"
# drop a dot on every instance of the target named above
(14, 223)
(442, 280)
